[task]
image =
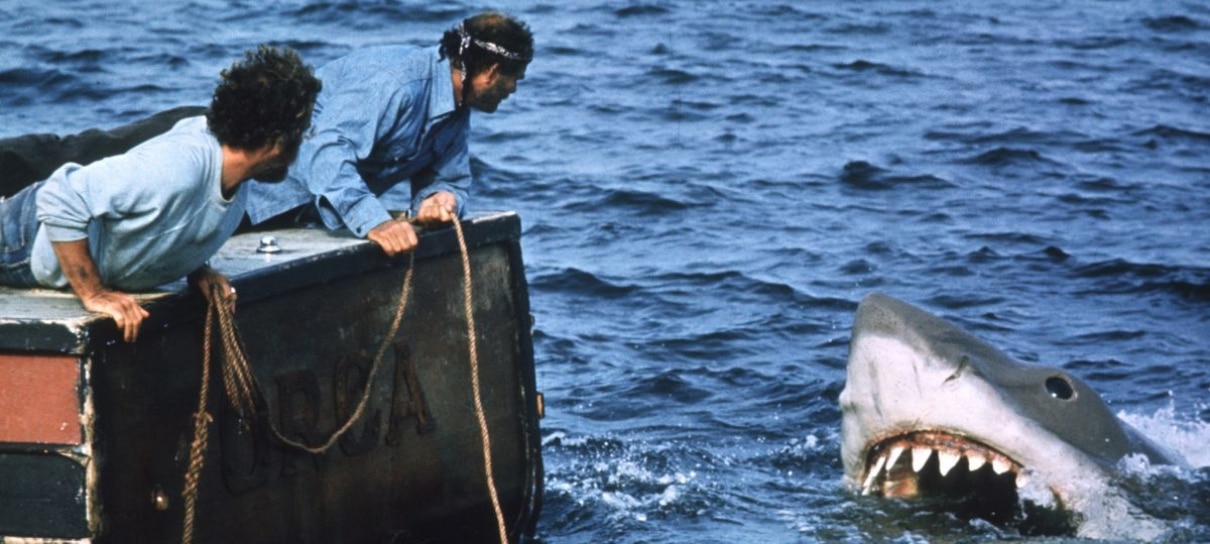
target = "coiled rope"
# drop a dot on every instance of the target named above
(242, 388)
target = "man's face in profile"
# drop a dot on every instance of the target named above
(275, 168)
(491, 87)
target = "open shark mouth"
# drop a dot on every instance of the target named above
(916, 463)
(972, 478)
(935, 414)
(939, 465)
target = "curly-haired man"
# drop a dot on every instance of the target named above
(391, 130)
(158, 212)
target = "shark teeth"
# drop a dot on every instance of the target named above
(975, 460)
(947, 460)
(1022, 479)
(920, 456)
(896, 451)
(869, 481)
(887, 477)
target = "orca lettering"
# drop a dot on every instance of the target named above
(351, 375)
(407, 398)
(251, 458)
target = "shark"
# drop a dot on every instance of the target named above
(931, 411)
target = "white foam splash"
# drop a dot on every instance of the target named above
(1113, 515)
(624, 483)
(1185, 436)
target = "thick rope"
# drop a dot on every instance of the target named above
(241, 382)
(241, 387)
(201, 425)
(468, 304)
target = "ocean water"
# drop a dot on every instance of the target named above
(708, 189)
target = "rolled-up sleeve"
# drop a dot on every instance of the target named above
(63, 209)
(73, 196)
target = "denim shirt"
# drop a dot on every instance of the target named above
(385, 115)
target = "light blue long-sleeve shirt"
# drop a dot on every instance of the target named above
(151, 216)
(385, 115)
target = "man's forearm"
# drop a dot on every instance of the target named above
(81, 273)
(78, 267)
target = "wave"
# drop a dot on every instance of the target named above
(1183, 433)
(1189, 86)
(641, 203)
(1173, 133)
(708, 344)
(562, 50)
(669, 386)
(672, 76)
(863, 66)
(357, 12)
(950, 301)
(611, 487)
(1125, 277)
(1096, 43)
(163, 60)
(863, 30)
(641, 10)
(737, 283)
(1006, 156)
(811, 454)
(866, 176)
(1007, 237)
(87, 57)
(19, 78)
(575, 280)
(1102, 184)
(1173, 24)
(23, 86)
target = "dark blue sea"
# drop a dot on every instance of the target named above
(708, 189)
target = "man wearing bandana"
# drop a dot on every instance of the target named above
(394, 114)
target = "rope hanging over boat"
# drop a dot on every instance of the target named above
(241, 382)
(201, 428)
(242, 388)
(468, 300)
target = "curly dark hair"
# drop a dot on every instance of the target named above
(263, 100)
(492, 27)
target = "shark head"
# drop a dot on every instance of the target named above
(931, 410)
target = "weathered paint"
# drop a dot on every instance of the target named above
(40, 399)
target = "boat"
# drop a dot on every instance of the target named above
(96, 433)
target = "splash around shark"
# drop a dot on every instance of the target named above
(930, 411)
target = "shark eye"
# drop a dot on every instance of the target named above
(1060, 388)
